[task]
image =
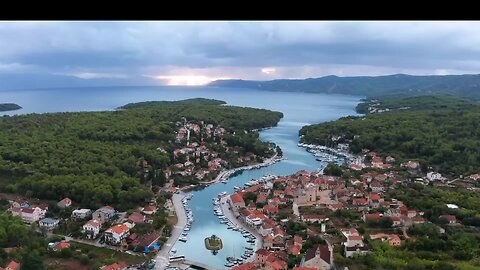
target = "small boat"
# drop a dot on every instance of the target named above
(183, 239)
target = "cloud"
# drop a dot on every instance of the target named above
(119, 50)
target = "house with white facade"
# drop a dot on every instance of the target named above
(116, 234)
(92, 228)
(81, 213)
(49, 223)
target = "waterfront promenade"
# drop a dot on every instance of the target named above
(231, 214)
(164, 253)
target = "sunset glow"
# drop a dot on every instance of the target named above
(190, 80)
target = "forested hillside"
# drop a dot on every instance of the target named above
(445, 136)
(467, 86)
(92, 157)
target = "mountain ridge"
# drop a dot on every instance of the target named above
(466, 86)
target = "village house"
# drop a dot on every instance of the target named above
(136, 218)
(12, 265)
(245, 266)
(115, 266)
(65, 203)
(92, 228)
(319, 257)
(393, 239)
(58, 246)
(261, 256)
(361, 250)
(81, 213)
(104, 214)
(450, 219)
(236, 201)
(313, 218)
(116, 234)
(149, 210)
(30, 214)
(276, 265)
(48, 223)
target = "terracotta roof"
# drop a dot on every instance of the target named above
(119, 229)
(245, 266)
(149, 208)
(115, 266)
(61, 245)
(13, 265)
(355, 238)
(236, 198)
(279, 264)
(262, 252)
(94, 223)
(137, 218)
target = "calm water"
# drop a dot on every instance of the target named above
(299, 109)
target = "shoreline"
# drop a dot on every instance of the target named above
(227, 173)
(163, 256)
(230, 213)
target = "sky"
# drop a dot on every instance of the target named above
(195, 53)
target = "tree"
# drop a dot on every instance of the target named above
(250, 197)
(32, 261)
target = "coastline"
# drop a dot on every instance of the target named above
(163, 255)
(230, 213)
(227, 173)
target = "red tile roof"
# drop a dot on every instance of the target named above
(137, 218)
(245, 266)
(13, 265)
(115, 266)
(119, 229)
(262, 252)
(236, 198)
(61, 245)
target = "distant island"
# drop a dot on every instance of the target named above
(9, 107)
(190, 101)
(466, 86)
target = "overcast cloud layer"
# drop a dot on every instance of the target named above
(146, 52)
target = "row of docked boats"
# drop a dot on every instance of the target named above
(190, 219)
(250, 238)
(263, 179)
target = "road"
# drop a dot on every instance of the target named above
(164, 254)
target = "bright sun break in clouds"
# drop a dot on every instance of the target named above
(190, 80)
(268, 70)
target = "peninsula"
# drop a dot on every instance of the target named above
(9, 107)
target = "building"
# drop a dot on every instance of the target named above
(116, 234)
(149, 210)
(12, 265)
(48, 223)
(237, 201)
(313, 218)
(306, 195)
(58, 246)
(136, 218)
(104, 214)
(81, 213)
(451, 219)
(393, 239)
(350, 251)
(261, 256)
(29, 215)
(115, 266)
(65, 203)
(92, 228)
(319, 257)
